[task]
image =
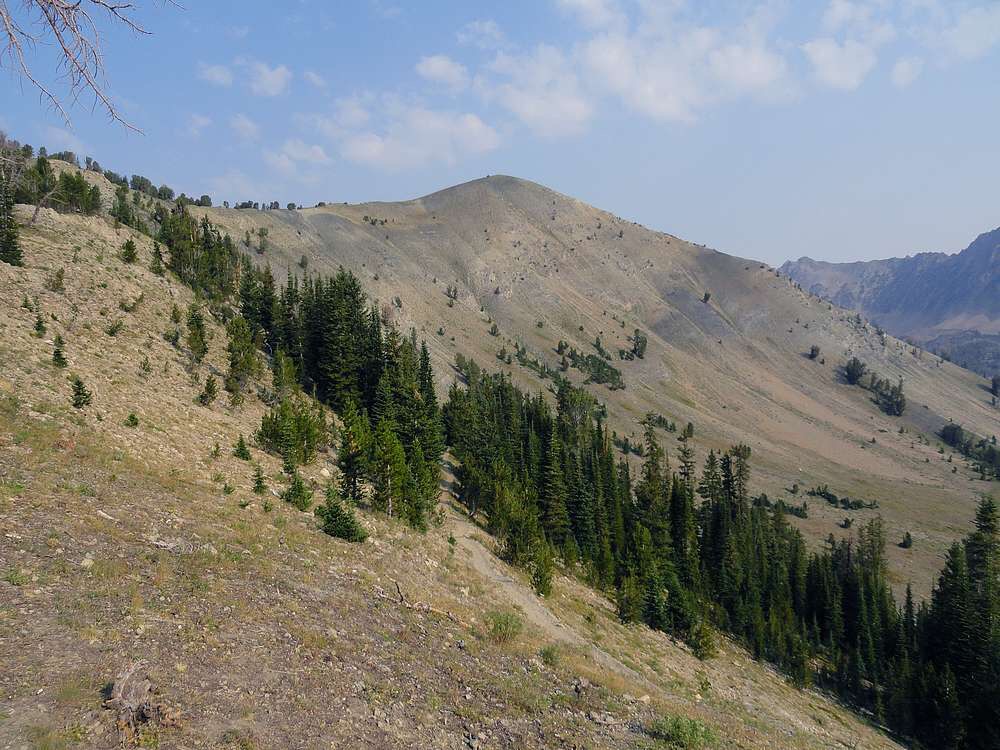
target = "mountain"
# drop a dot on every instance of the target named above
(950, 303)
(133, 534)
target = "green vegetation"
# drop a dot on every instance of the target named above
(984, 452)
(80, 397)
(58, 353)
(338, 519)
(679, 733)
(548, 482)
(10, 247)
(503, 626)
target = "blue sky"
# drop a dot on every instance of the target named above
(843, 130)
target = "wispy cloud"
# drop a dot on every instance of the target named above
(485, 34)
(265, 80)
(196, 123)
(442, 69)
(218, 75)
(244, 127)
(315, 79)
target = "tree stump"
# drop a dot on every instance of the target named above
(133, 697)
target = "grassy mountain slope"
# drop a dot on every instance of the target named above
(543, 266)
(123, 543)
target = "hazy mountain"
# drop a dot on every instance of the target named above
(951, 303)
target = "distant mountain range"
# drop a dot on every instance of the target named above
(947, 303)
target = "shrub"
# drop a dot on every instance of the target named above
(813, 351)
(337, 518)
(854, 370)
(702, 641)
(55, 282)
(681, 733)
(542, 569)
(297, 493)
(907, 541)
(115, 328)
(210, 391)
(550, 655)
(503, 626)
(240, 450)
(128, 253)
(132, 420)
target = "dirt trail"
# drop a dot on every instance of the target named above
(483, 561)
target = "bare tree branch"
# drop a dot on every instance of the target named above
(70, 27)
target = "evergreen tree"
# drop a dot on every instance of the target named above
(259, 486)
(355, 442)
(156, 264)
(58, 355)
(243, 360)
(241, 450)
(388, 471)
(40, 328)
(297, 493)
(338, 519)
(128, 252)
(209, 392)
(81, 396)
(10, 247)
(197, 339)
(553, 493)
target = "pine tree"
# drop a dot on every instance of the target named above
(354, 448)
(297, 493)
(10, 247)
(243, 360)
(209, 392)
(58, 355)
(338, 519)
(553, 492)
(259, 486)
(81, 396)
(388, 470)
(40, 328)
(241, 450)
(156, 265)
(128, 253)
(197, 340)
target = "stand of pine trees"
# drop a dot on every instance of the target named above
(680, 551)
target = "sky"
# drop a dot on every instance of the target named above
(771, 129)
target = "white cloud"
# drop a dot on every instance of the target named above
(315, 79)
(416, 136)
(972, 33)
(294, 155)
(839, 65)
(670, 68)
(218, 75)
(196, 123)
(244, 127)
(542, 91)
(597, 14)
(239, 32)
(299, 150)
(268, 81)
(442, 69)
(905, 71)
(350, 115)
(485, 34)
